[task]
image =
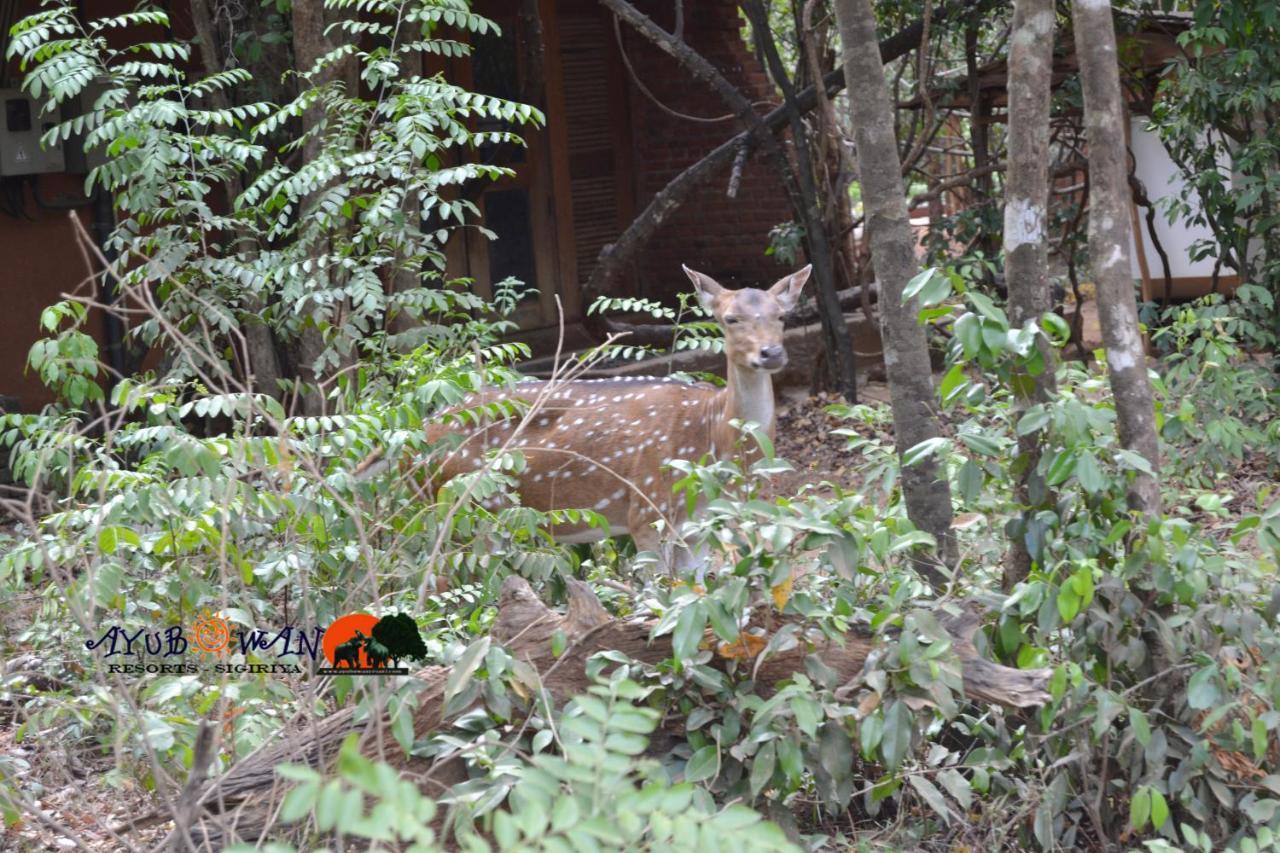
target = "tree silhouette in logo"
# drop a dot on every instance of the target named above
(399, 635)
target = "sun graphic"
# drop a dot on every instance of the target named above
(344, 630)
(211, 634)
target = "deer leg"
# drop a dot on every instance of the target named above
(641, 520)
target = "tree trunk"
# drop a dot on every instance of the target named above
(309, 44)
(1026, 248)
(1109, 243)
(839, 347)
(893, 254)
(982, 193)
(241, 803)
(262, 364)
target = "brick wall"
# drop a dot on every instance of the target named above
(724, 237)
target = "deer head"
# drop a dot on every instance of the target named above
(751, 319)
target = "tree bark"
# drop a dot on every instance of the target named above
(893, 254)
(979, 136)
(1026, 247)
(309, 44)
(262, 364)
(240, 804)
(839, 348)
(1109, 244)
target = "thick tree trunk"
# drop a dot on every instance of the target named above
(309, 44)
(1026, 246)
(240, 804)
(1109, 243)
(893, 254)
(262, 364)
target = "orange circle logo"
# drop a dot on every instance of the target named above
(211, 634)
(343, 642)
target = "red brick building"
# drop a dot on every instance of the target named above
(606, 150)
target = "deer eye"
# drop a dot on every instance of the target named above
(732, 321)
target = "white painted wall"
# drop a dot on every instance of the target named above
(1157, 172)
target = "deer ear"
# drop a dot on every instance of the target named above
(705, 286)
(787, 290)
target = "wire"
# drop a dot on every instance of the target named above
(631, 72)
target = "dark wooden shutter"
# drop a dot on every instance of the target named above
(596, 121)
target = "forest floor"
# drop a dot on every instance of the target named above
(79, 790)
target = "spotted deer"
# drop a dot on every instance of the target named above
(605, 444)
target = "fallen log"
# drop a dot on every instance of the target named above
(241, 805)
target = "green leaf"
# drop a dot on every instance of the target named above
(1068, 602)
(807, 713)
(924, 450)
(790, 759)
(1202, 689)
(957, 786)
(968, 330)
(1060, 468)
(1141, 728)
(983, 444)
(762, 767)
(702, 764)
(1035, 419)
(690, 626)
(1089, 473)
(988, 309)
(899, 726)
(954, 380)
(969, 481)
(111, 538)
(1159, 808)
(1055, 328)
(1140, 808)
(465, 667)
(931, 287)
(931, 795)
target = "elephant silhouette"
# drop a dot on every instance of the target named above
(349, 652)
(377, 653)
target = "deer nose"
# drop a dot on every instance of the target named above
(772, 353)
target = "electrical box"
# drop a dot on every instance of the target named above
(78, 160)
(21, 126)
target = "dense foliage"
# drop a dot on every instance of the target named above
(183, 492)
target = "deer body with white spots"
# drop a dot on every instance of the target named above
(606, 444)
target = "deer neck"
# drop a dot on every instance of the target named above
(748, 396)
